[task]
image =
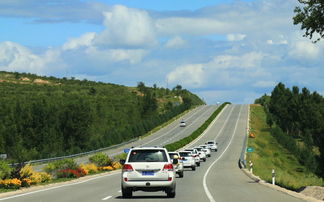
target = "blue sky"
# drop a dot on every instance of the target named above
(230, 50)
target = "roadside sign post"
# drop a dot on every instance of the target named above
(251, 167)
(273, 177)
(250, 149)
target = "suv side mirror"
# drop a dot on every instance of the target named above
(122, 161)
(175, 161)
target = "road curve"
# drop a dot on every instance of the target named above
(218, 179)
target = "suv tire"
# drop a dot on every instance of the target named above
(171, 192)
(193, 167)
(181, 174)
(127, 193)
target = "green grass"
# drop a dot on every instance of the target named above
(268, 155)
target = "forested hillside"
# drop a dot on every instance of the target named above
(45, 117)
(297, 120)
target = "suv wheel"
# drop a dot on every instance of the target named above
(181, 174)
(193, 167)
(171, 192)
(127, 193)
(198, 164)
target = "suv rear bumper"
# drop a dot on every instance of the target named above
(149, 185)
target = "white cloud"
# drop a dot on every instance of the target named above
(248, 60)
(265, 84)
(127, 27)
(189, 75)
(175, 42)
(195, 26)
(305, 50)
(235, 37)
(14, 57)
(115, 55)
(74, 43)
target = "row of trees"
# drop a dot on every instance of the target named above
(297, 118)
(41, 121)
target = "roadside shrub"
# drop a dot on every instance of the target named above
(10, 183)
(45, 177)
(26, 182)
(29, 177)
(116, 165)
(53, 167)
(26, 171)
(5, 169)
(71, 173)
(107, 168)
(100, 159)
(89, 168)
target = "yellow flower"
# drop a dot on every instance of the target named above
(116, 165)
(89, 168)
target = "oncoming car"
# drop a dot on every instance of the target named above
(182, 124)
(148, 169)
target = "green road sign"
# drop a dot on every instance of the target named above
(249, 149)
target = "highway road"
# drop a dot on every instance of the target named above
(218, 179)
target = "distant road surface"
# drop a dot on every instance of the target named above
(217, 180)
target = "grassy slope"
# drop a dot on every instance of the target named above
(268, 155)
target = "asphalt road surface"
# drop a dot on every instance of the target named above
(218, 179)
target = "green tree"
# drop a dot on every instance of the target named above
(311, 18)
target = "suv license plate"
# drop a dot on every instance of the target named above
(147, 172)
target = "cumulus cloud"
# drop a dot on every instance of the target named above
(305, 50)
(235, 37)
(75, 43)
(248, 60)
(188, 75)
(175, 42)
(127, 27)
(14, 57)
(115, 55)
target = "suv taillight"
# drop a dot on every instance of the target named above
(127, 168)
(168, 167)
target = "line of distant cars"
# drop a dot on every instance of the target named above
(155, 169)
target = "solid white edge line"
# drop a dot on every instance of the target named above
(209, 195)
(65, 185)
(106, 198)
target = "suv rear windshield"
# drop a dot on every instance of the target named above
(210, 142)
(184, 154)
(148, 156)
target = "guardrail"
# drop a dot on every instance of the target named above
(77, 155)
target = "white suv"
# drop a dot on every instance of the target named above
(205, 149)
(188, 160)
(212, 145)
(148, 169)
(195, 154)
(202, 154)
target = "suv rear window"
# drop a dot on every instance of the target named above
(210, 142)
(148, 156)
(184, 154)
